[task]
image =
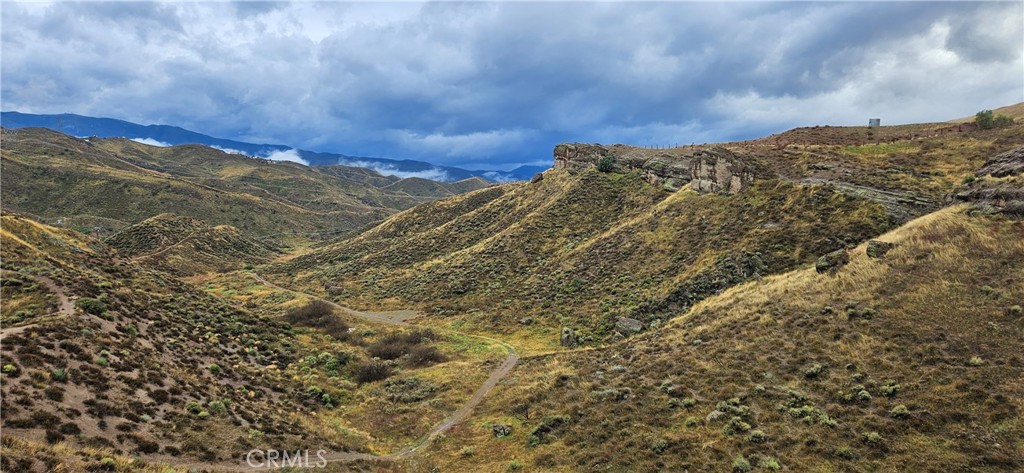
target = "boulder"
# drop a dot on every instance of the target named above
(877, 248)
(832, 261)
(568, 337)
(628, 326)
(537, 178)
(502, 430)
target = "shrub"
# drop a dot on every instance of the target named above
(372, 370)
(975, 361)
(10, 369)
(987, 120)
(215, 368)
(873, 438)
(318, 314)
(900, 411)
(969, 179)
(757, 436)
(889, 389)
(409, 389)
(814, 371)
(606, 164)
(425, 355)
(736, 425)
(91, 306)
(770, 464)
(59, 374)
(740, 465)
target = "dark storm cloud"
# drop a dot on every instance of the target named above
(494, 84)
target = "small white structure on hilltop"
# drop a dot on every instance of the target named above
(874, 122)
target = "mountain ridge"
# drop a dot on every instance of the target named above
(83, 126)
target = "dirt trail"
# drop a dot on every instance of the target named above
(65, 307)
(400, 318)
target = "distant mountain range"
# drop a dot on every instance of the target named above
(79, 125)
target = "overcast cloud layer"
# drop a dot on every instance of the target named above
(493, 85)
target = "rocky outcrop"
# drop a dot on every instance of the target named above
(706, 170)
(877, 248)
(1010, 163)
(832, 261)
(1004, 194)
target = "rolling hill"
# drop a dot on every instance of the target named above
(103, 185)
(592, 256)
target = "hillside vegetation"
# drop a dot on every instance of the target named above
(908, 362)
(112, 359)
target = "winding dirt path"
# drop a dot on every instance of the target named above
(65, 307)
(399, 318)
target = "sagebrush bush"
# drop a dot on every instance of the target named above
(372, 370)
(318, 314)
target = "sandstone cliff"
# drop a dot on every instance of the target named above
(704, 170)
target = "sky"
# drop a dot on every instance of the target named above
(496, 85)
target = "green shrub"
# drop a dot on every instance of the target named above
(740, 465)
(606, 164)
(757, 436)
(735, 426)
(873, 438)
(214, 368)
(408, 390)
(976, 361)
(770, 464)
(899, 411)
(889, 389)
(91, 306)
(986, 120)
(9, 369)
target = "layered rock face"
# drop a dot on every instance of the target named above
(707, 170)
(1004, 190)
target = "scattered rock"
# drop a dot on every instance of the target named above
(569, 338)
(714, 416)
(877, 248)
(526, 321)
(502, 430)
(537, 178)
(628, 326)
(820, 166)
(832, 261)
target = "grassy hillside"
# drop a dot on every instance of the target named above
(584, 250)
(187, 246)
(104, 185)
(908, 362)
(112, 359)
